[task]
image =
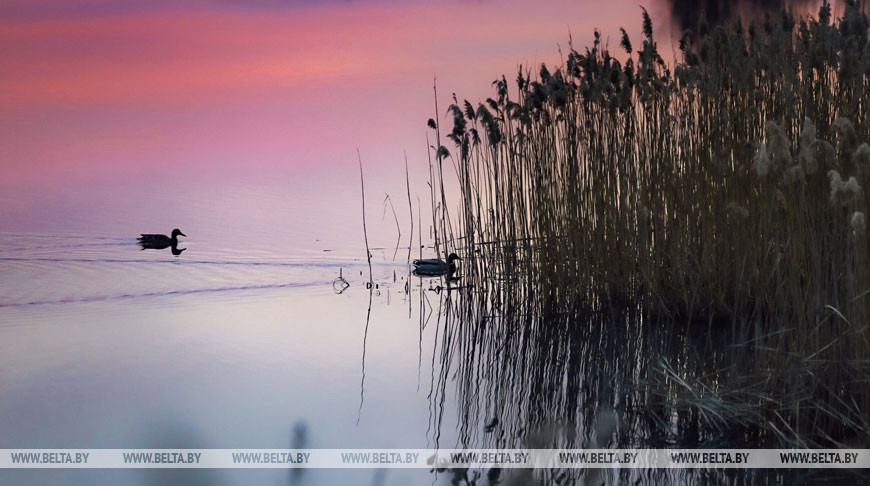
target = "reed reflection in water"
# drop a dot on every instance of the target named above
(522, 378)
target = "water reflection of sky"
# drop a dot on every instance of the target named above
(113, 347)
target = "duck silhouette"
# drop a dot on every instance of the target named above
(435, 267)
(160, 242)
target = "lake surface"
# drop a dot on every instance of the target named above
(236, 343)
(244, 340)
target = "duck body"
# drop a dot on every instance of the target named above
(159, 242)
(436, 267)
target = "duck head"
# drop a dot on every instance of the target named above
(176, 232)
(451, 258)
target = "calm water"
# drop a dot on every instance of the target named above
(243, 342)
(237, 342)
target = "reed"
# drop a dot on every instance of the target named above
(726, 193)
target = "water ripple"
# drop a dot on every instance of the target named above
(101, 298)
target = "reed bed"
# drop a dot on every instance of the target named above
(725, 195)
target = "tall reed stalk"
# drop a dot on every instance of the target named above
(727, 191)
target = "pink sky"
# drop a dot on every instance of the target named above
(90, 89)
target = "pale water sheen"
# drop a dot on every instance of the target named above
(232, 344)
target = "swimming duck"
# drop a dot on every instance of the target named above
(159, 242)
(434, 267)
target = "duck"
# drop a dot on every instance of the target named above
(435, 267)
(159, 242)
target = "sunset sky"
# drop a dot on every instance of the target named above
(114, 89)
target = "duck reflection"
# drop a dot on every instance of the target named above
(161, 242)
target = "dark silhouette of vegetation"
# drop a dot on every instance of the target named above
(711, 214)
